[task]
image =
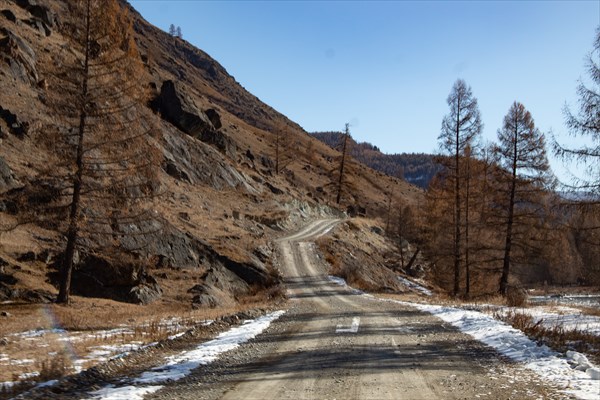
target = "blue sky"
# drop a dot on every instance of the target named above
(387, 66)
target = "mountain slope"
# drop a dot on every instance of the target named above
(222, 201)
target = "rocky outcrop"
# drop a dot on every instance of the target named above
(16, 126)
(194, 162)
(214, 118)
(11, 290)
(7, 179)
(178, 108)
(219, 285)
(39, 11)
(19, 55)
(9, 15)
(121, 280)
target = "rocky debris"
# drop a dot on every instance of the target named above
(7, 178)
(178, 108)
(9, 15)
(19, 56)
(263, 253)
(273, 189)
(180, 250)
(39, 25)
(220, 141)
(203, 297)
(219, 285)
(171, 168)
(123, 279)
(267, 162)
(356, 211)
(5, 314)
(16, 126)
(214, 118)
(200, 164)
(10, 292)
(38, 11)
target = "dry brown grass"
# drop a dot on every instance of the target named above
(89, 323)
(555, 337)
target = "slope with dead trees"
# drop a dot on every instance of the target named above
(105, 157)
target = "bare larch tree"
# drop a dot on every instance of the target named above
(459, 129)
(522, 155)
(109, 156)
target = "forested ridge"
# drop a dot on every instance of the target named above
(415, 168)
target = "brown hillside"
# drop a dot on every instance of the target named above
(222, 201)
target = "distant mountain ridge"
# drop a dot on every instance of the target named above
(415, 168)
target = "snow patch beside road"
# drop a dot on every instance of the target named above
(518, 347)
(564, 372)
(181, 365)
(415, 286)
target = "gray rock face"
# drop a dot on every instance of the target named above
(214, 118)
(38, 11)
(16, 127)
(8, 291)
(121, 280)
(7, 179)
(9, 15)
(180, 110)
(19, 55)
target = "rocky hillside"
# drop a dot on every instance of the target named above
(221, 200)
(416, 168)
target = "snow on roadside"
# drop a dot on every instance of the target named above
(511, 342)
(181, 365)
(415, 286)
(518, 347)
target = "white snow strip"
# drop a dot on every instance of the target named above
(353, 328)
(340, 281)
(516, 345)
(415, 286)
(181, 365)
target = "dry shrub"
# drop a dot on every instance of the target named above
(49, 369)
(55, 368)
(516, 296)
(556, 336)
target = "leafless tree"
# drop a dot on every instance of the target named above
(459, 128)
(585, 125)
(109, 156)
(342, 167)
(522, 155)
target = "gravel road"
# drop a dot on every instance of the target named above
(334, 343)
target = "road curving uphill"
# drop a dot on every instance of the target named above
(337, 343)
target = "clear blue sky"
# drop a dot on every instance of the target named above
(387, 66)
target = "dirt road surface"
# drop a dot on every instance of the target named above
(335, 343)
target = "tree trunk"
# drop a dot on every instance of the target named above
(510, 219)
(277, 153)
(73, 230)
(412, 259)
(467, 266)
(456, 290)
(342, 163)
